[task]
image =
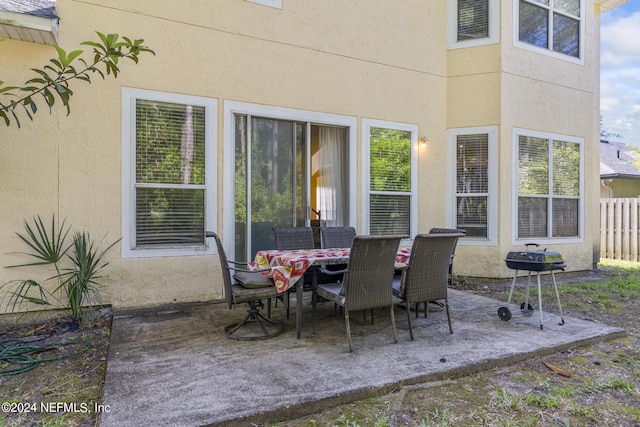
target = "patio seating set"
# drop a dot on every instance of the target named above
(359, 273)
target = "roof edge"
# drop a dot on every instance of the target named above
(607, 5)
(13, 23)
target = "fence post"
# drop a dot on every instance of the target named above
(603, 228)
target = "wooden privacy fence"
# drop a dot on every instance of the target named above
(619, 228)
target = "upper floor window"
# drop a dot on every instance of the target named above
(167, 182)
(549, 186)
(391, 174)
(472, 22)
(555, 25)
(473, 206)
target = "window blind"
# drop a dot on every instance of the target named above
(472, 183)
(564, 29)
(533, 24)
(532, 217)
(389, 214)
(390, 160)
(566, 35)
(472, 154)
(566, 169)
(390, 181)
(170, 174)
(549, 187)
(571, 7)
(473, 19)
(533, 165)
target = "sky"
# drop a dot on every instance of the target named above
(620, 72)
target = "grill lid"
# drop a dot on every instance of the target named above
(537, 260)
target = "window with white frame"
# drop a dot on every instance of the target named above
(472, 22)
(390, 205)
(549, 186)
(168, 176)
(473, 152)
(553, 25)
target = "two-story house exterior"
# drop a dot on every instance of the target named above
(387, 116)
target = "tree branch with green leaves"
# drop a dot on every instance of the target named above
(52, 81)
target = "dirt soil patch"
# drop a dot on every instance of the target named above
(52, 370)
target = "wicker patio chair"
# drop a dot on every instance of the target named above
(291, 238)
(294, 238)
(366, 279)
(449, 231)
(337, 237)
(425, 277)
(251, 287)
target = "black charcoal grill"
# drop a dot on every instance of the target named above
(532, 261)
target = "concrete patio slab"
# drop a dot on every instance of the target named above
(173, 366)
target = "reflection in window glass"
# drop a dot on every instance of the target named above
(170, 174)
(548, 187)
(390, 181)
(472, 183)
(551, 24)
(534, 25)
(473, 19)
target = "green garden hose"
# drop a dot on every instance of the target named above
(22, 354)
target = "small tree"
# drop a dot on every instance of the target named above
(76, 265)
(52, 81)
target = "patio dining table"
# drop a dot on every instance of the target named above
(287, 267)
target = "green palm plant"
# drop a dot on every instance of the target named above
(76, 284)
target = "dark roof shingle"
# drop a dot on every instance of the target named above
(41, 8)
(619, 159)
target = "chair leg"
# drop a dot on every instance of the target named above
(393, 324)
(417, 309)
(446, 304)
(253, 316)
(348, 326)
(409, 321)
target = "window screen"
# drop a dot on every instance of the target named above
(548, 187)
(551, 24)
(390, 181)
(472, 183)
(170, 174)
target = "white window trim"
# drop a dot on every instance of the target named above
(550, 136)
(452, 26)
(234, 107)
(367, 124)
(129, 97)
(492, 176)
(271, 3)
(546, 51)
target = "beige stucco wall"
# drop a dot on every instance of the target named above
(513, 87)
(356, 59)
(368, 59)
(620, 188)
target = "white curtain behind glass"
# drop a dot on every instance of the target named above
(331, 192)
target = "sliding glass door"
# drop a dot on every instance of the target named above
(287, 173)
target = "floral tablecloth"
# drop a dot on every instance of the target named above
(288, 266)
